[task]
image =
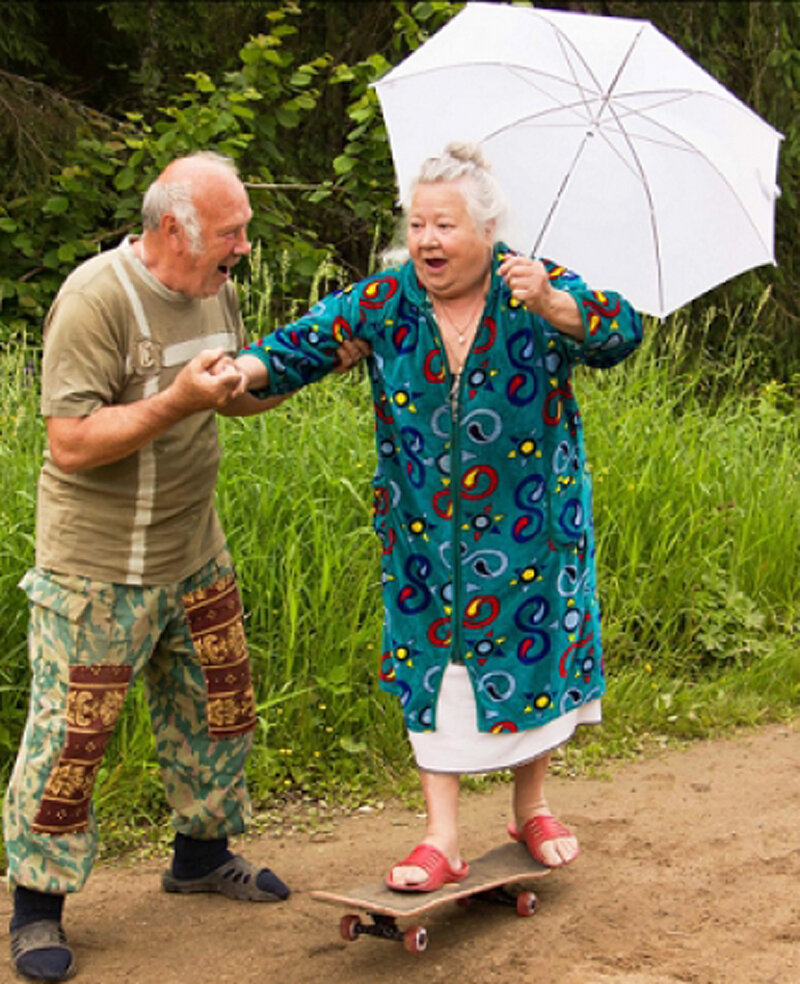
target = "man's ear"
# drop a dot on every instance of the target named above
(172, 232)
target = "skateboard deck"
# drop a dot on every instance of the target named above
(489, 878)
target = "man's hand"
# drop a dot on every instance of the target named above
(209, 382)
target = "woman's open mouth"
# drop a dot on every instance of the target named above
(435, 262)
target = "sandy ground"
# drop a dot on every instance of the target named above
(688, 873)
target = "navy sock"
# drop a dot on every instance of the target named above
(268, 881)
(195, 858)
(48, 963)
(31, 906)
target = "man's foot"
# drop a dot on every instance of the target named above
(549, 842)
(234, 878)
(426, 869)
(40, 952)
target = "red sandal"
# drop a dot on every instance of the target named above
(536, 831)
(432, 860)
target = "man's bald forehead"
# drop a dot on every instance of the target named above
(197, 169)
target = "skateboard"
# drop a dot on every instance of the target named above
(489, 879)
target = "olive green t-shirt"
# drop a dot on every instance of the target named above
(114, 335)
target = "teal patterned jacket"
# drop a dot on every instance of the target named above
(482, 503)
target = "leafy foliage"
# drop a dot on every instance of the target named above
(293, 105)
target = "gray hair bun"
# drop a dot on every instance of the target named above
(460, 160)
(467, 153)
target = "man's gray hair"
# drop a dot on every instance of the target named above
(484, 197)
(175, 197)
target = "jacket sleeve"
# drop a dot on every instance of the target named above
(612, 328)
(305, 351)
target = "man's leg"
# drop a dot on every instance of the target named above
(203, 713)
(78, 685)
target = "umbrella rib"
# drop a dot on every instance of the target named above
(642, 176)
(559, 104)
(557, 198)
(620, 69)
(562, 41)
(530, 117)
(595, 122)
(687, 145)
(583, 102)
(648, 194)
(478, 63)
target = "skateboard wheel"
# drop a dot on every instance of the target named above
(526, 904)
(415, 939)
(348, 927)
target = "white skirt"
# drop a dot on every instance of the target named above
(457, 746)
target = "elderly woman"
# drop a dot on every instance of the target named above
(482, 497)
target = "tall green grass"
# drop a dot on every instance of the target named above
(697, 509)
(21, 442)
(697, 513)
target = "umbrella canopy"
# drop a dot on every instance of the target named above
(619, 155)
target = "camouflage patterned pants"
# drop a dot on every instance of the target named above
(88, 640)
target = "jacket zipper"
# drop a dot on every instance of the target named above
(456, 651)
(454, 399)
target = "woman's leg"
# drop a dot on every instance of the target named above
(440, 790)
(529, 802)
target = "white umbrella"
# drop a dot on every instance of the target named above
(619, 155)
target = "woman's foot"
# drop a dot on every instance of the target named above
(548, 840)
(427, 868)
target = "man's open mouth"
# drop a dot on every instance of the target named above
(224, 270)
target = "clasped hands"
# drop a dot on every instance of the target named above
(212, 379)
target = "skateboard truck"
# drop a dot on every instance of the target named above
(414, 939)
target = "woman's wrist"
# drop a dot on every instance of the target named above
(254, 371)
(562, 312)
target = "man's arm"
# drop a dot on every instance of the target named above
(113, 432)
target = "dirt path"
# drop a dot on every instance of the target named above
(689, 873)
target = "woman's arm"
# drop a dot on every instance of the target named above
(256, 378)
(530, 284)
(310, 348)
(597, 328)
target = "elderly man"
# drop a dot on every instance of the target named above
(132, 573)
